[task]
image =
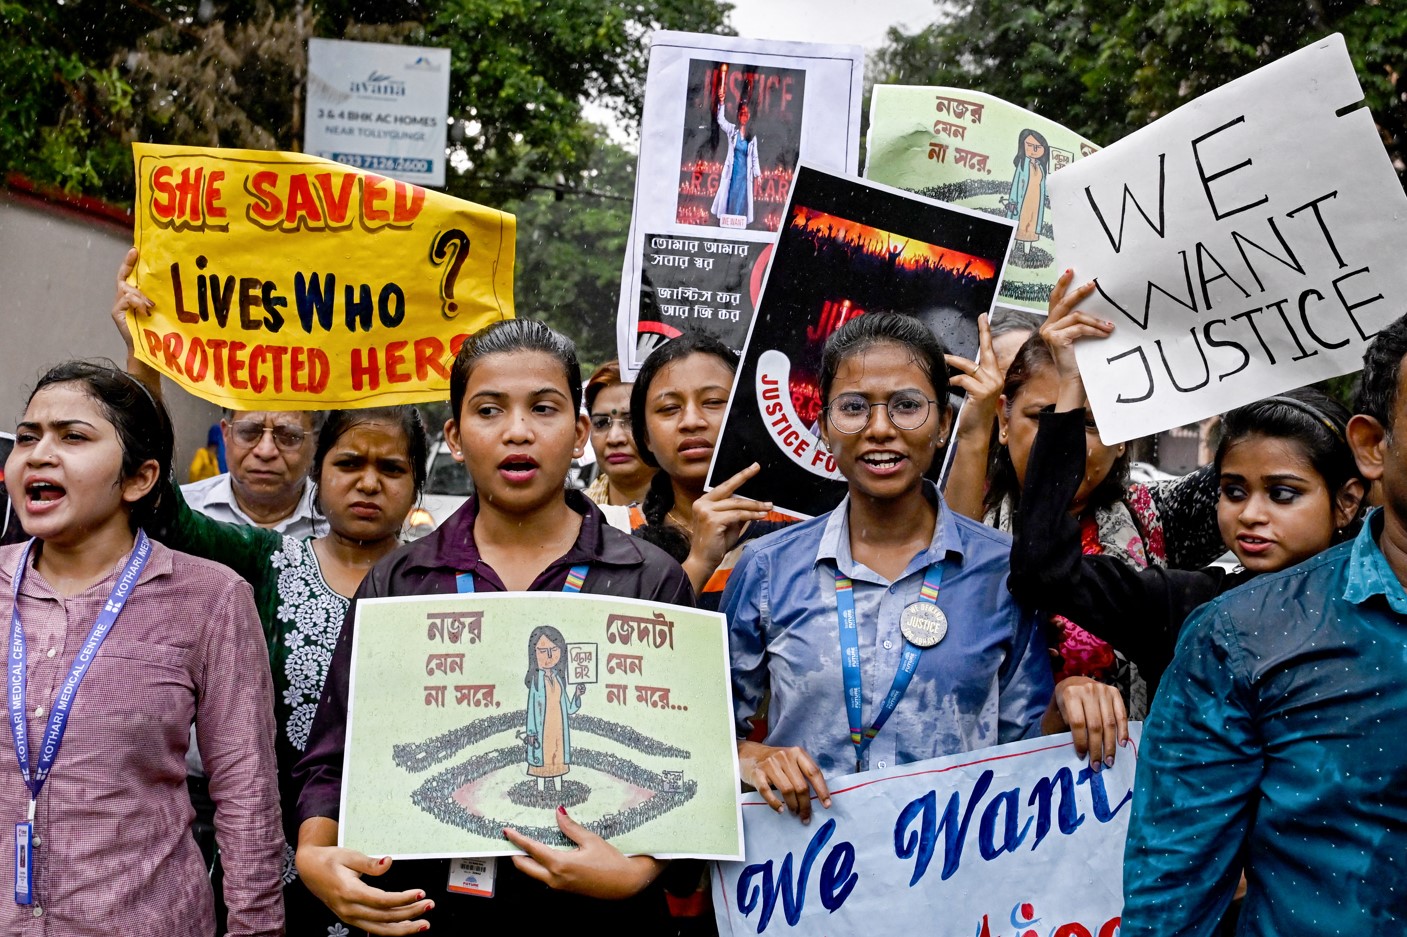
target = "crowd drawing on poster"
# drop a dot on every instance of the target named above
(545, 730)
(858, 269)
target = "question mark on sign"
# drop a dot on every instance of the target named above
(451, 246)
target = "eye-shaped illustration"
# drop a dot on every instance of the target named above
(625, 794)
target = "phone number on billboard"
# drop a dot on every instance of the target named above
(387, 163)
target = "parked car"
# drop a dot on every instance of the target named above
(447, 486)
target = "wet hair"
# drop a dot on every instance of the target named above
(1311, 419)
(506, 337)
(555, 636)
(407, 417)
(607, 375)
(1043, 159)
(659, 498)
(1382, 366)
(143, 430)
(1007, 321)
(862, 333)
(1031, 361)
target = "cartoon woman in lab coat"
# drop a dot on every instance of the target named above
(1027, 200)
(549, 738)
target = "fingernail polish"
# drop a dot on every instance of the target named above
(562, 810)
(1109, 761)
(420, 896)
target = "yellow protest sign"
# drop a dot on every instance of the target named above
(288, 282)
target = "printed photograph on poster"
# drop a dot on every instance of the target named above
(726, 122)
(742, 139)
(978, 151)
(469, 713)
(848, 248)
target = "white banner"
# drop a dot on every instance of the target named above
(1018, 838)
(378, 107)
(725, 125)
(1243, 245)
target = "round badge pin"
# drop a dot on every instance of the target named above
(923, 624)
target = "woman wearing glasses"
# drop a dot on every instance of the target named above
(894, 581)
(624, 478)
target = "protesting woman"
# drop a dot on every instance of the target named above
(117, 644)
(515, 392)
(624, 477)
(897, 583)
(676, 411)
(1289, 489)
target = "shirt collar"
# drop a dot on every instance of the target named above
(835, 537)
(1368, 571)
(159, 563)
(222, 492)
(454, 547)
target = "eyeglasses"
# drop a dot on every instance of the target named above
(850, 413)
(601, 422)
(249, 433)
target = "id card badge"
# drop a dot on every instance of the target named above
(473, 876)
(24, 863)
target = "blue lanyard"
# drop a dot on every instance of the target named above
(850, 663)
(576, 576)
(63, 703)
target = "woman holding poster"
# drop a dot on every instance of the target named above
(890, 582)
(515, 393)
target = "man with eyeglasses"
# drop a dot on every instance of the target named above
(269, 452)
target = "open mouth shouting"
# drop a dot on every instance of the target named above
(41, 493)
(518, 468)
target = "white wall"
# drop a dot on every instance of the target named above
(57, 270)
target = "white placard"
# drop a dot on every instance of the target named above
(1245, 244)
(1021, 838)
(695, 257)
(378, 107)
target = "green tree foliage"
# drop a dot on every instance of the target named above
(571, 243)
(1105, 69)
(82, 79)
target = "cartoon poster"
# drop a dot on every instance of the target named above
(848, 247)
(978, 151)
(1013, 841)
(284, 281)
(726, 123)
(469, 713)
(1245, 244)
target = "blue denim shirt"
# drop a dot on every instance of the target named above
(1278, 742)
(987, 682)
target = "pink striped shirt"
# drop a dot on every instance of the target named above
(114, 853)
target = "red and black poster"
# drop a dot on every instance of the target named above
(847, 248)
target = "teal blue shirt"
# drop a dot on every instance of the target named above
(1277, 745)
